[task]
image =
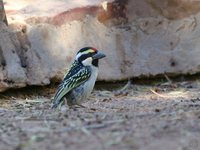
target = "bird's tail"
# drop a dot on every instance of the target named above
(54, 106)
(58, 103)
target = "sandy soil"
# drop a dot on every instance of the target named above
(138, 117)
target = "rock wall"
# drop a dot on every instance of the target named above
(2, 13)
(12, 74)
(139, 37)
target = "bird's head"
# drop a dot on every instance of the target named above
(89, 56)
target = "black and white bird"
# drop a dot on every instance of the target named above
(79, 82)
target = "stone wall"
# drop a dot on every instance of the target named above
(2, 13)
(139, 37)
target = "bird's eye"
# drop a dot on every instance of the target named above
(94, 53)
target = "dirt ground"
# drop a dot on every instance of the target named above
(164, 116)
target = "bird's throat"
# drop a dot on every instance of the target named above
(95, 62)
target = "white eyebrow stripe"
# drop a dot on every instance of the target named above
(78, 55)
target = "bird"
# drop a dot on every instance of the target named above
(79, 81)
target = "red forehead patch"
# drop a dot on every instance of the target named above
(94, 49)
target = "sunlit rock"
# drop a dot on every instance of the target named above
(139, 37)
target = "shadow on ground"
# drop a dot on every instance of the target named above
(161, 117)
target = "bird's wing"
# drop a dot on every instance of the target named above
(75, 66)
(74, 78)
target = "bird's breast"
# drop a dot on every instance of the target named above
(82, 92)
(89, 85)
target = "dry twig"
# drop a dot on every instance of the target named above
(160, 95)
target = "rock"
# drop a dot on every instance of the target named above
(12, 75)
(2, 13)
(139, 37)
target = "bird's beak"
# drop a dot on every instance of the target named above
(98, 55)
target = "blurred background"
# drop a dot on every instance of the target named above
(148, 91)
(141, 38)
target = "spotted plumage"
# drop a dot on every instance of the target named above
(80, 79)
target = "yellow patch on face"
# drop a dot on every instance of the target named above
(85, 52)
(89, 51)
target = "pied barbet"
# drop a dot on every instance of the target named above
(79, 82)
